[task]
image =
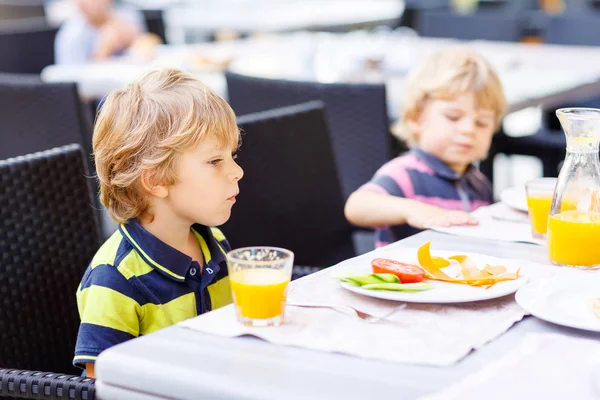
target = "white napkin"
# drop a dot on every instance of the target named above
(427, 334)
(496, 222)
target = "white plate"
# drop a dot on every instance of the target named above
(515, 198)
(563, 300)
(442, 292)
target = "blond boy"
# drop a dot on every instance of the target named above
(453, 104)
(164, 148)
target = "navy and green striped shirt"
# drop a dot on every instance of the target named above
(137, 284)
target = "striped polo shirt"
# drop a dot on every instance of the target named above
(137, 284)
(421, 176)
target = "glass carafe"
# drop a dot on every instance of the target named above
(574, 220)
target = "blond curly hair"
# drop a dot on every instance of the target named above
(445, 76)
(142, 129)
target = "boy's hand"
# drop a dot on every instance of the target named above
(429, 216)
(115, 35)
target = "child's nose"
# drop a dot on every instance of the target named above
(237, 172)
(467, 125)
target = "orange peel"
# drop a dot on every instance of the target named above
(471, 274)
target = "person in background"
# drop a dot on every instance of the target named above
(99, 30)
(454, 102)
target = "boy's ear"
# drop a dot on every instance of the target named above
(155, 190)
(413, 124)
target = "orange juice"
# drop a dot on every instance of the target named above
(259, 293)
(574, 238)
(539, 208)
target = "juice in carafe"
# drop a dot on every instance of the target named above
(574, 222)
(574, 238)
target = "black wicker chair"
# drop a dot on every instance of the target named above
(26, 45)
(289, 195)
(356, 115)
(48, 235)
(37, 116)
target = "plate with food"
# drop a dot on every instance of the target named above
(418, 276)
(569, 300)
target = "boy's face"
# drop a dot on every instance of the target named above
(95, 11)
(207, 186)
(456, 131)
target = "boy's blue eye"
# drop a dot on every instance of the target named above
(215, 162)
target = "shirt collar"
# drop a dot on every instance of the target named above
(165, 259)
(439, 167)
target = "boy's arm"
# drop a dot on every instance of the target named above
(89, 370)
(110, 311)
(368, 208)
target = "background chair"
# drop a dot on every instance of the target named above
(37, 116)
(356, 115)
(48, 235)
(26, 45)
(289, 195)
(579, 29)
(155, 23)
(484, 25)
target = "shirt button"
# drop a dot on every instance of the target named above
(192, 271)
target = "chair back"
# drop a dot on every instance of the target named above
(38, 116)
(573, 29)
(289, 195)
(356, 115)
(48, 235)
(484, 25)
(26, 45)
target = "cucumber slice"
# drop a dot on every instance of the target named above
(368, 279)
(399, 287)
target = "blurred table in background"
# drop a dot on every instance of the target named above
(532, 74)
(194, 21)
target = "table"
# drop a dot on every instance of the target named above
(181, 363)
(532, 75)
(249, 16)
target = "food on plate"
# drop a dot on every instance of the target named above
(400, 287)
(469, 273)
(384, 282)
(407, 273)
(397, 275)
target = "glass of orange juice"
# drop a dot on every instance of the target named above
(259, 278)
(539, 200)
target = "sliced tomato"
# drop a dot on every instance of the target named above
(407, 273)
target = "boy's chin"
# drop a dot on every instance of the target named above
(217, 221)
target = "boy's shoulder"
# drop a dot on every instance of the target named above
(410, 160)
(116, 258)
